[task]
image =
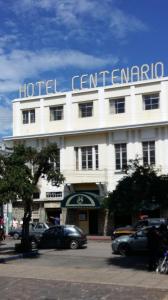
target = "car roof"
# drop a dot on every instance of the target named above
(63, 226)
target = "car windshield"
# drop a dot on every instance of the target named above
(141, 223)
(142, 233)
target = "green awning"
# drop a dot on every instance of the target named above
(81, 200)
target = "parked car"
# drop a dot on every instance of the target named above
(34, 229)
(62, 236)
(127, 230)
(136, 242)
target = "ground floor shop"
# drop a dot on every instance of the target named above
(82, 209)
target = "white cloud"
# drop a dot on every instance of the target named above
(19, 64)
(121, 24)
(75, 14)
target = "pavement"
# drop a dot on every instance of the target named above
(35, 289)
(13, 265)
(8, 253)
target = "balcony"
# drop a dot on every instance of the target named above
(85, 176)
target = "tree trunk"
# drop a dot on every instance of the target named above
(106, 221)
(25, 240)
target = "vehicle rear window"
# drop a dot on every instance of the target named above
(72, 229)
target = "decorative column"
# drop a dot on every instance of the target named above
(42, 117)
(63, 216)
(101, 108)
(68, 112)
(133, 105)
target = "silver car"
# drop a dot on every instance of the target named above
(127, 244)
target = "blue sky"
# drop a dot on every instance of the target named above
(48, 39)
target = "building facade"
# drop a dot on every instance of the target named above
(97, 131)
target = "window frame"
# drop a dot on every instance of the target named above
(56, 113)
(85, 109)
(120, 156)
(149, 102)
(28, 116)
(147, 148)
(87, 158)
(115, 104)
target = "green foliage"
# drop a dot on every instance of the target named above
(21, 170)
(141, 188)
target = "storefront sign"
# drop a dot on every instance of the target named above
(78, 200)
(102, 78)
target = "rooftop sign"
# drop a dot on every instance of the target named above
(102, 78)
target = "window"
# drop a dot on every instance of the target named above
(36, 195)
(151, 101)
(56, 160)
(97, 157)
(87, 161)
(148, 153)
(54, 194)
(87, 158)
(121, 156)
(28, 116)
(83, 216)
(117, 106)
(56, 113)
(85, 109)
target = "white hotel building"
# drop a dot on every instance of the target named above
(97, 131)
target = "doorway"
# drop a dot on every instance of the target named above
(52, 214)
(93, 222)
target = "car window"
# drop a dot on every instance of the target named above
(50, 231)
(141, 223)
(78, 229)
(40, 226)
(70, 230)
(141, 233)
(156, 222)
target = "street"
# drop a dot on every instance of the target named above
(91, 273)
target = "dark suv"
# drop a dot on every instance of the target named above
(127, 230)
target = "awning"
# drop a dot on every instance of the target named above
(81, 200)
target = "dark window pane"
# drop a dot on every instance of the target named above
(151, 101)
(86, 109)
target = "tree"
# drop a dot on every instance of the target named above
(140, 189)
(20, 172)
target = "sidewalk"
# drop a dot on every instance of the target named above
(7, 251)
(115, 270)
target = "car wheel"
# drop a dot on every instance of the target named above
(16, 236)
(74, 244)
(123, 249)
(162, 267)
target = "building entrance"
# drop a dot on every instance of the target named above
(53, 214)
(93, 222)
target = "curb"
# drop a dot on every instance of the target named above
(18, 256)
(98, 239)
